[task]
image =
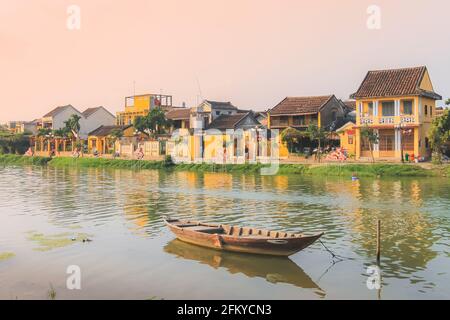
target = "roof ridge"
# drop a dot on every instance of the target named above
(399, 69)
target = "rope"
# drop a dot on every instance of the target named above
(333, 255)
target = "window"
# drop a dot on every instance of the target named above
(370, 108)
(431, 111)
(426, 110)
(284, 120)
(334, 115)
(299, 120)
(408, 107)
(350, 139)
(229, 112)
(217, 113)
(388, 109)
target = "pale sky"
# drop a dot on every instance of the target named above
(250, 52)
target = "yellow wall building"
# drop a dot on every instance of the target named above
(399, 104)
(140, 106)
(347, 138)
(300, 112)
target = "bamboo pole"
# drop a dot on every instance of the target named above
(378, 240)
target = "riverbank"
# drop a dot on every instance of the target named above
(324, 169)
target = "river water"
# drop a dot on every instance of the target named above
(46, 212)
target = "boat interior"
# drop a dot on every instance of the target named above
(230, 230)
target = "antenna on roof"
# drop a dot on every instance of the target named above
(199, 90)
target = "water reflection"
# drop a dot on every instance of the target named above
(414, 213)
(272, 269)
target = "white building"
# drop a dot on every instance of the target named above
(90, 119)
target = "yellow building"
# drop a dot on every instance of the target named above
(102, 140)
(140, 106)
(347, 138)
(400, 105)
(300, 112)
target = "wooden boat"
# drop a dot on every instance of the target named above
(239, 239)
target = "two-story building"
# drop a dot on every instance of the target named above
(140, 106)
(399, 104)
(299, 112)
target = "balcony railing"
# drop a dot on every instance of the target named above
(388, 120)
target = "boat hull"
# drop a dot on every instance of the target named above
(253, 244)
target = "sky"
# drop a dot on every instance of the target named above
(250, 52)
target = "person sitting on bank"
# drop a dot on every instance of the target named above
(140, 154)
(76, 153)
(29, 152)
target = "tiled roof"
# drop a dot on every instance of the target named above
(221, 105)
(226, 121)
(178, 114)
(300, 105)
(90, 111)
(104, 131)
(57, 110)
(392, 83)
(350, 104)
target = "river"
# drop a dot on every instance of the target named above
(46, 212)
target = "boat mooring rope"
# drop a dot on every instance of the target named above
(333, 255)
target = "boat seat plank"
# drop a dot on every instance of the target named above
(186, 225)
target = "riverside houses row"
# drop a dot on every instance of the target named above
(398, 104)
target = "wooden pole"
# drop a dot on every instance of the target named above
(378, 240)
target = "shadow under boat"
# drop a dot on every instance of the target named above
(271, 268)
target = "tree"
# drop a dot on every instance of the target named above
(318, 134)
(439, 134)
(73, 125)
(153, 123)
(291, 136)
(371, 137)
(447, 102)
(60, 133)
(116, 134)
(43, 132)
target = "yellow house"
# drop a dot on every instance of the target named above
(347, 138)
(101, 139)
(399, 104)
(300, 112)
(140, 106)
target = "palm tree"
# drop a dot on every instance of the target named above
(73, 125)
(371, 137)
(318, 134)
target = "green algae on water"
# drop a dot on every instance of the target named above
(55, 241)
(6, 255)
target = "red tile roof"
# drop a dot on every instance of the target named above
(178, 114)
(394, 83)
(104, 131)
(300, 105)
(350, 104)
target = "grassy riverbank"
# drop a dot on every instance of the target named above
(12, 159)
(362, 170)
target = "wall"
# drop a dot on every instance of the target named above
(99, 118)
